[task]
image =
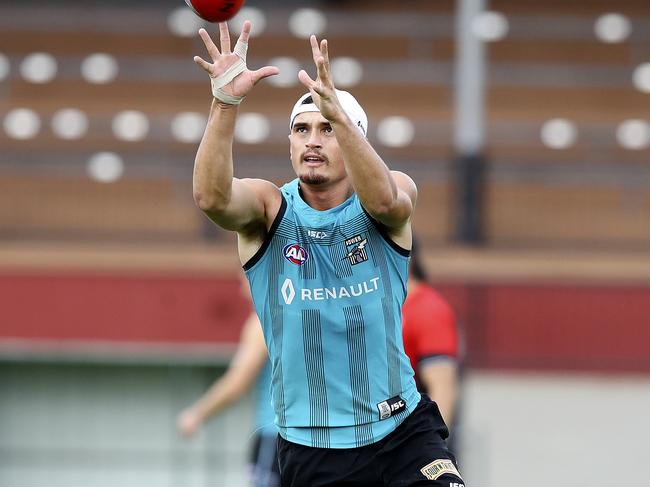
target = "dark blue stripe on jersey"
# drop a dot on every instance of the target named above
(392, 349)
(269, 236)
(390, 325)
(359, 381)
(357, 226)
(313, 349)
(364, 434)
(341, 262)
(320, 437)
(308, 269)
(277, 323)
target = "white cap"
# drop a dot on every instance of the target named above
(348, 102)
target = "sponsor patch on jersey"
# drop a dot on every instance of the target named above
(288, 291)
(390, 407)
(295, 254)
(317, 234)
(438, 468)
(356, 247)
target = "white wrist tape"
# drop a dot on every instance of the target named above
(231, 73)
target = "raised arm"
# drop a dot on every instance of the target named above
(241, 205)
(388, 196)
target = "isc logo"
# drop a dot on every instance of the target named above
(316, 234)
(295, 254)
(391, 406)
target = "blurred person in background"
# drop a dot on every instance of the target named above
(431, 341)
(249, 368)
(326, 257)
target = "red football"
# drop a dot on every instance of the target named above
(215, 10)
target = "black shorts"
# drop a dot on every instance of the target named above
(413, 455)
(264, 469)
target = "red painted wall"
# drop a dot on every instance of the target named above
(554, 326)
(123, 308)
(549, 326)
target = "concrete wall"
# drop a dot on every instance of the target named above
(66, 425)
(569, 430)
(107, 425)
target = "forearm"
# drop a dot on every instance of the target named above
(441, 383)
(244, 369)
(445, 398)
(223, 393)
(370, 177)
(213, 166)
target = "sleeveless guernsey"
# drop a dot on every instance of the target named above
(328, 287)
(264, 415)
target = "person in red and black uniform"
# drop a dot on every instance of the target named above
(431, 341)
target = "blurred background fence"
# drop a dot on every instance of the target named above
(119, 301)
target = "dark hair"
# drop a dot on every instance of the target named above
(416, 266)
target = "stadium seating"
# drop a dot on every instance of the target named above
(558, 69)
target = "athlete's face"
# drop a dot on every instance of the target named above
(315, 153)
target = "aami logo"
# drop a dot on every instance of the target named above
(295, 254)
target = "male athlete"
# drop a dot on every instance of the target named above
(326, 257)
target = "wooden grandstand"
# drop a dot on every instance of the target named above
(594, 194)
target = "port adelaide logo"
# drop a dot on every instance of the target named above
(356, 248)
(295, 254)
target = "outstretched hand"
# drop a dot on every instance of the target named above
(322, 88)
(223, 59)
(188, 422)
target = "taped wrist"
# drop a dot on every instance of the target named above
(231, 73)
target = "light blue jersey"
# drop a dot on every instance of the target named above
(328, 287)
(264, 415)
